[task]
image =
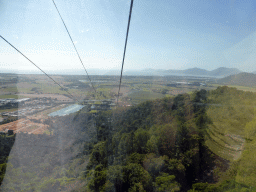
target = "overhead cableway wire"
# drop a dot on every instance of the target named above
(127, 32)
(73, 45)
(39, 68)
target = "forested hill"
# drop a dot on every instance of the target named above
(156, 145)
(242, 79)
(162, 145)
(192, 142)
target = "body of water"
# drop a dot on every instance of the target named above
(67, 110)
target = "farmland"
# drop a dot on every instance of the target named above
(158, 110)
(134, 90)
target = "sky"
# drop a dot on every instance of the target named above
(164, 34)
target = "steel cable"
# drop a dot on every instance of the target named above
(127, 32)
(39, 68)
(74, 45)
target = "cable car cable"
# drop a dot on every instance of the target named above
(39, 68)
(127, 32)
(74, 45)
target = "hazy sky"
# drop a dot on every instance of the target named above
(164, 34)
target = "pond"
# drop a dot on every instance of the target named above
(67, 110)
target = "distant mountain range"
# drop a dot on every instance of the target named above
(242, 79)
(219, 72)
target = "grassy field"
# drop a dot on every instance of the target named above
(8, 110)
(230, 111)
(11, 96)
(243, 88)
(224, 140)
(140, 96)
(43, 87)
(9, 89)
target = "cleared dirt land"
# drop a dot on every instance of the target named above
(24, 125)
(33, 124)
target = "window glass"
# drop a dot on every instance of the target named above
(181, 117)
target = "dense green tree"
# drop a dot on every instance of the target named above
(141, 138)
(201, 121)
(135, 158)
(167, 140)
(6, 144)
(182, 139)
(115, 177)
(98, 155)
(153, 144)
(99, 178)
(154, 164)
(178, 107)
(166, 136)
(135, 174)
(2, 171)
(166, 183)
(125, 146)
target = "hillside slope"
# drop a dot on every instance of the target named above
(169, 144)
(223, 71)
(242, 79)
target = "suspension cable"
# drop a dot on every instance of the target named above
(39, 68)
(127, 32)
(73, 45)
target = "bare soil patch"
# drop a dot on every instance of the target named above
(34, 124)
